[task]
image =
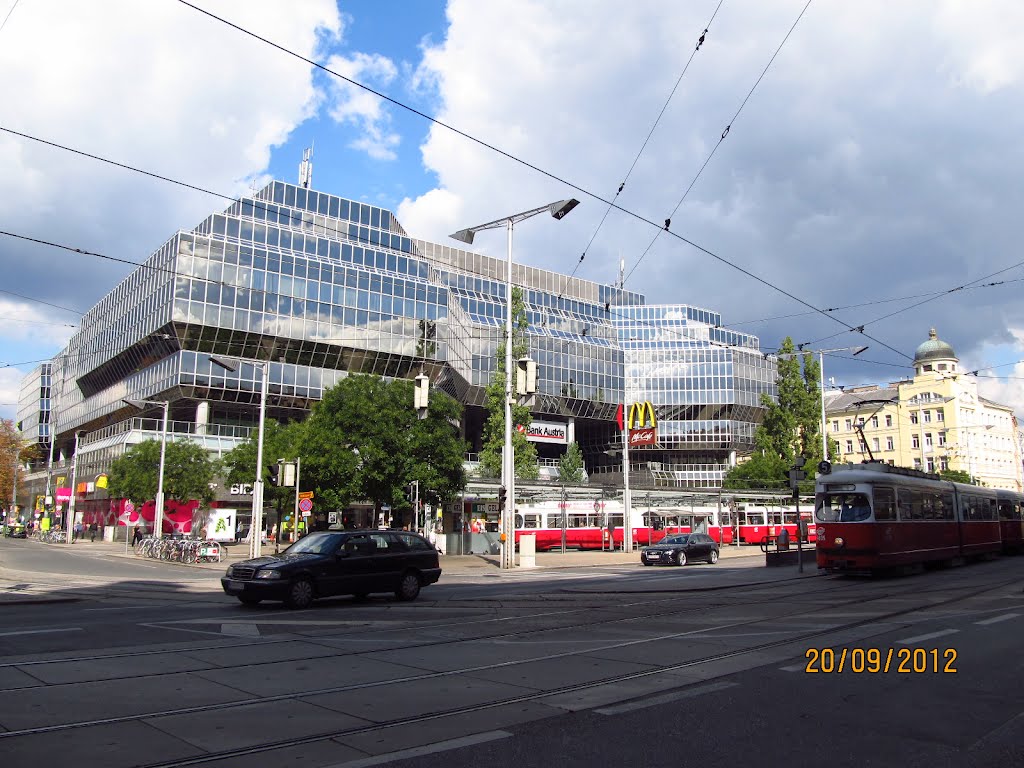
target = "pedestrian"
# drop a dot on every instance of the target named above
(77, 532)
(92, 532)
(136, 535)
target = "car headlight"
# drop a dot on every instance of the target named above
(268, 574)
(231, 571)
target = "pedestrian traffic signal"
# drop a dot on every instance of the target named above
(275, 473)
(502, 496)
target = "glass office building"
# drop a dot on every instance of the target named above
(320, 286)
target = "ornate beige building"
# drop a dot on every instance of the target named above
(934, 421)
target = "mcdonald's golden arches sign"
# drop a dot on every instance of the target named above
(642, 424)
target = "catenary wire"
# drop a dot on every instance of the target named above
(721, 138)
(543, 172)
(657, 120)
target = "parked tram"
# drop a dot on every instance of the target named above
(760, 523)
(599, 525)
(874, 516)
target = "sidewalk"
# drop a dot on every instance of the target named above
(450, 564)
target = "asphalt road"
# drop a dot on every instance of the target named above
(598, 665)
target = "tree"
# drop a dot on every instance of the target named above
(12, 450)
(958, 476)
(279, 442)
(763, 471)
(494, 427)
(791, 426)
(570, 466)
(188, 472)
(363, 440)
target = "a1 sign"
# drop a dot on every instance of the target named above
(305, 505)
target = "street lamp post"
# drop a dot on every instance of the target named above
(70, 522)
(508, 468)
(158, 512)
(256, 526)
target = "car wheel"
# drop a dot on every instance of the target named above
(713, 557)
(246, 600)
(409, 588)
(301, 594)
(681, 558)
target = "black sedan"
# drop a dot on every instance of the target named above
(337, 563)
(680, 549)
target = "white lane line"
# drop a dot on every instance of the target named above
(40, 631)
(429, 749)
(118, 608)
(929, 636)
(666, 698)
(997, 619)
(794, 668)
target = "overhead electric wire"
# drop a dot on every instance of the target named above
(965, 286)
(40, 301)
(721, 138)
(543, 172)
(657, 120)
(4, 22)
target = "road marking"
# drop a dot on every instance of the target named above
(40, 631)
(929, 636)
(666, 698)
(240, 629)
(118, 608)
(429, 749)
(997, 619)
(794, 668)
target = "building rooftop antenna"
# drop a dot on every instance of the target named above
(306, 168)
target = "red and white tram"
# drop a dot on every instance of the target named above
(874, 516)
(1011, 520)
(758, 523)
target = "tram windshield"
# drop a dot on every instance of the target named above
(843, 507)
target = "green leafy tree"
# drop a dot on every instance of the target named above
(958, 476)
(280, 441)
(494, 427)
(763, 471)
(188, 472)
(570, 466)
(363, 440)
(791, 426)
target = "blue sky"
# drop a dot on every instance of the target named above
(875, 163)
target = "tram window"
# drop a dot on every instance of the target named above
(946, 507)
(531, 521)
(1005, 510)
(843, 507)
(904, 505)
(885, 504)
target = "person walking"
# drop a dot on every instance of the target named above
(77, 532)
(92, 532)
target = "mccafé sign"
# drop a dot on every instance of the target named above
(642, 424)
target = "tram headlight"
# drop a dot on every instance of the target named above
(839, 542)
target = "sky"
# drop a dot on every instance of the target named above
(868, 177)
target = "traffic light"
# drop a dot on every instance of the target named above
(275, 473)
(502, 496)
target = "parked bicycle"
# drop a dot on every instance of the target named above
(180, 550)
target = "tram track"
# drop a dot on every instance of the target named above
(533, 696)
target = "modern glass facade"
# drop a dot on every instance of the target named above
(321, 286)
(34, 405)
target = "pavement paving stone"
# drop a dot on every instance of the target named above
(621, 690)
(113, 745)
(307, 675)
(113, 668)
(254, 724)
(548, 674)
(11, 677)
(322, 753)
(33, 707)
(417, 734)
(474, 653)
(414, 699)
(259, 653)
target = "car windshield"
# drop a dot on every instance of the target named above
(843, 508)
(316, 544)
(680, 539)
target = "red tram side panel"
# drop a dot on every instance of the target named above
(1011, 521)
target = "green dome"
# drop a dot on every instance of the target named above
(934, 349)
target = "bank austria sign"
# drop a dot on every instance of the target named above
(545, 432)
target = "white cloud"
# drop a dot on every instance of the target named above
(360, 107)
(860, 169)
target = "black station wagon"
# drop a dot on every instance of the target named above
(337, 563)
